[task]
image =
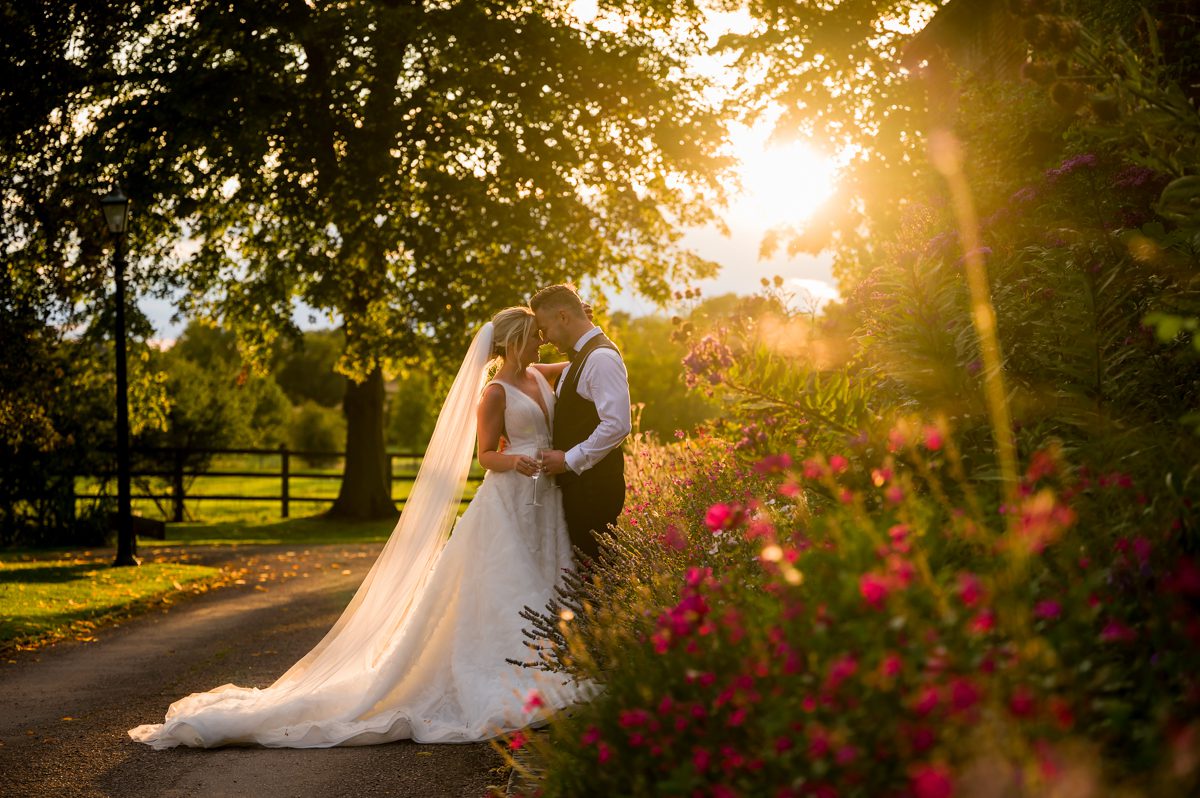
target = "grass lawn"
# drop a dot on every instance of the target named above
(42, 601)
(268, 528)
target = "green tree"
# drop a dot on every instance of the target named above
(306, 367)
(407, 166)
(412, 410)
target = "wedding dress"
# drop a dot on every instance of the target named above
(419, 653)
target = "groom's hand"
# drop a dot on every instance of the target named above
(554, 461)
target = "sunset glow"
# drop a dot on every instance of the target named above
(781, 184)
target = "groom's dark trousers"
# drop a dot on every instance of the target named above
(594, 499)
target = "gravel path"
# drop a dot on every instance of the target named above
(64, 710)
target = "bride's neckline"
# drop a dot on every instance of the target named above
(540, 402)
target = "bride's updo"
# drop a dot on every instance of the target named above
(512, 327)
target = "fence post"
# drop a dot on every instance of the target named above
(283, 475)
(177, 486)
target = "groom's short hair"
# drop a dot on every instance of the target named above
(558, 297)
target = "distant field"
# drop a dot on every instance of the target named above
(214, 513)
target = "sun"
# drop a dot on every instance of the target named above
(782, 184)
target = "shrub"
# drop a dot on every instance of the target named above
(317, 429)
(815, 628)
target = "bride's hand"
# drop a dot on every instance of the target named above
(525, 465)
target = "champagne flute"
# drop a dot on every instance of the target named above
(534, 501)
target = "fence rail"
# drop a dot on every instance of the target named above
(178, 473)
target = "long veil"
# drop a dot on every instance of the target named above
(327, 683)
(382, 603)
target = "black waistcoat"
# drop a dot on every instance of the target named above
(576, 418)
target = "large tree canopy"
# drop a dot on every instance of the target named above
(406, 167)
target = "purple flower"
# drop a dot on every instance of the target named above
(1135, 177)
(941, 242)
(1023, 195)
(1070, 165)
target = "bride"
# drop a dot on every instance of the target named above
(420, 651)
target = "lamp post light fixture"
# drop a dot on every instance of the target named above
(115, 206)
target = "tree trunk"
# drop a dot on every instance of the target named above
(364, 491)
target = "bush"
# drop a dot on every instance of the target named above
(317, 429)
(814, 628)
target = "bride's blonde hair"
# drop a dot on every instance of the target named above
(512, 327)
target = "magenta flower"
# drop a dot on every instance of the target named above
(719, 515)
(970, 589)
(927, 701)
(1047, 610)
(840, 670)
(963, 694)
(518, 740)
(533, 701)
(1021, 703)
(632, 718)
(874, 588)
(1116, 632)
(932, 781)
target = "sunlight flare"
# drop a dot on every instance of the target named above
(782, 184)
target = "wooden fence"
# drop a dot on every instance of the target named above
(177, 476)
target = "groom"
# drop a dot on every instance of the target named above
(591, 417)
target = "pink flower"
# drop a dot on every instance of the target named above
(1021, 703)
(970, 589)
(818, 744)
(900, 570)
(773, 464)
(672, 538)
(840, 670)
(963, 695)
(533, 701)
(632, 718)
(517, 740)
(591, 736)
(1047, 610)
(874, 589)
(927, 702)
(845, 755)
(894, 494)
(922, 738)
(932, 781)
(933, 438)
(722, 516)
(1116, 632)
(700, 759)
(838, 464)
(891, 666)
(983, 622)
(603, 753)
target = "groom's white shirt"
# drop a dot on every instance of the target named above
(605, 383)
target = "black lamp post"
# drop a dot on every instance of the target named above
(116, 213)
